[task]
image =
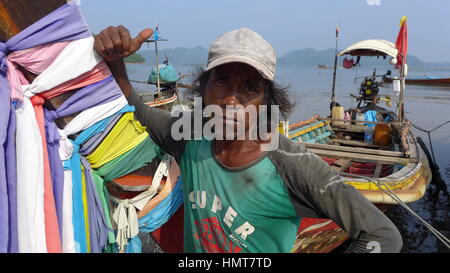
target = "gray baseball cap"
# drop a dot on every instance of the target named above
(245, 46)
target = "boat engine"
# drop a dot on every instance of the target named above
(369, 89)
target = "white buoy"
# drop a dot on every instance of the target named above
(393, 61)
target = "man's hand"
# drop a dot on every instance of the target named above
(115, 43)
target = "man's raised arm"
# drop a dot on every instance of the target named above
(114, 44)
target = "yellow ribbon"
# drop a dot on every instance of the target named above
(126, 134)
(85, 209)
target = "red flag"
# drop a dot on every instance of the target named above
(402, 43)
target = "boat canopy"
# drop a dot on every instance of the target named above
(371, 48)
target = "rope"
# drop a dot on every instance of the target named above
(429, 134)
(391, 194)
(438, 180)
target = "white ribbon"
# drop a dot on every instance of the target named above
(125, 215)
(90, 116)
(77, 58)
(68, 237)
(65, 146)
(30, 181)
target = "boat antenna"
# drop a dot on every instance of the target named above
(333, 94)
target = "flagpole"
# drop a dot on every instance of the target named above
(156, 36)
(402, 46)
(333, 96)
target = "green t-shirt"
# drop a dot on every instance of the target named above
(232, 210)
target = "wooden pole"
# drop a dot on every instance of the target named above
(333, 96)
(16, 15)
(157, 69)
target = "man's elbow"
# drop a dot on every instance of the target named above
(395, 241)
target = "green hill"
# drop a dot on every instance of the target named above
(134, 58)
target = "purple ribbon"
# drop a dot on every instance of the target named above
(89, 96)
(98, 229)
(4, 181)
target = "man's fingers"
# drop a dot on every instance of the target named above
(107, 42)
(116, 40)
(141, 38)
(126, 40)
(98, 45)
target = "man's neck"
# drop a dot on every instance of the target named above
(236, 153)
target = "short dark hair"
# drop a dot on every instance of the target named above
(274, 94)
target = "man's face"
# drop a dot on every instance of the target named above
(235, 84)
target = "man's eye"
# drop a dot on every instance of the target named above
(250, 87)
(222, 80)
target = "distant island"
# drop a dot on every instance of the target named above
(135, 58)
(309, 56)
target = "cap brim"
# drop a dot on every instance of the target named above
(260, 67)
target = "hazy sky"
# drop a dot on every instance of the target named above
(286, 24)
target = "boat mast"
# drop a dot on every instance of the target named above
(157, 69)
(333, 96)
(158, 85)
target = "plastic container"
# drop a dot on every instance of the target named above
(382, 135)
(396, 86)
(368, 135)
(347, 117)
(360, 116)
(338, 113)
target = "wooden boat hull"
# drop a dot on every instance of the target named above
(424, 81)
(165, 103)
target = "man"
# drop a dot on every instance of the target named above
(239, 197)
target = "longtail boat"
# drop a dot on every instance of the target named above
(372, 148)
(425, 80)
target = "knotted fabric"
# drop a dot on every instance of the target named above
(51, 219)
(30, 181)
(130, 161)
(85, 99)
(125, 215)
(126, 134)
(98, 229)
(101, 130)
(64, 24)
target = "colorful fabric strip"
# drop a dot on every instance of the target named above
(125, 135)
(30, 182)
(130, 161)
(77, 58)
(102, 129)
(64, 24)
(51, 219)
(98, 229)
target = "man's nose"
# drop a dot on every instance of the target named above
(232, 96)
